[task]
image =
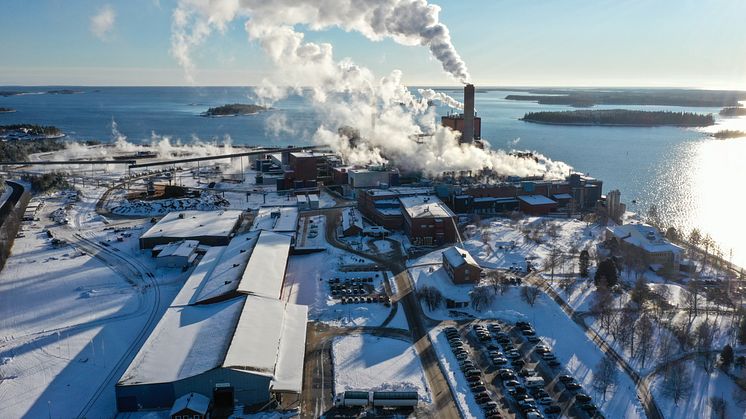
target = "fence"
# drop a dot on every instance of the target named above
(11, 214)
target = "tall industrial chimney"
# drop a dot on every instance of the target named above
(468, 135)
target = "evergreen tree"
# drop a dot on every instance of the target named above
(607, 269)
(584, 262)
(726, 357)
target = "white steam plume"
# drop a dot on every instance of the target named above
(393, 123)
(408, 22)
(430, 94)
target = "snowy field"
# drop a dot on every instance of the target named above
(696, 404)
(501, 243)
(369, 363)
(306, 282)
(68, 321)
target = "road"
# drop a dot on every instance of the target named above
(318, 369)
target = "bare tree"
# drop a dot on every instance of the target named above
(495, 279)
(431, 296)
(666, 347)
(602, 306)
(677, 384)
(567, 284)
(552, 261)
(645, 330)
(529, 294)
(604, 376)
(719, 407)
(704, 337)
(626, 332)
(481, 298)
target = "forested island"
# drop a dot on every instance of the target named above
(621, 117)
(733, 111)
(725, 134)
(234, 109)
(654, 97)
(19, 150)
(29, 131)
(6, 110)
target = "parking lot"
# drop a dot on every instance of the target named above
(512, 372)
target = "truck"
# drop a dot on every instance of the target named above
(377, 399)
(352, 399)
(395, 398)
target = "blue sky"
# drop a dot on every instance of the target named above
(504, 42)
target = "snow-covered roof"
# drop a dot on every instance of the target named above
(536, 200)
(562, 196)
(644, 236)
(183, 248)
(263, 336)
(270, 340)
(313, 198)
(278, 218)
(404, 190)
(192, 401)
(188, 341)
(425, 206)
(457, 257)
(265, 271)
(289, 369)
(219, 272)
(186, 224)
(351, 217)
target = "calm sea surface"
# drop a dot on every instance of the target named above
(695, 181)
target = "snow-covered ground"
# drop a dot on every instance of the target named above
(502, 243)
(67, 319)
(206, 202)
(369, 363)
(696, 404)
(306, 282)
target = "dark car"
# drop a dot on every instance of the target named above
(552, 408)
(554, 363)
(583, 398)
(566, 378)
(475, 384)
(518, 363)
(589, 407)
(479, 389)
(573, 386)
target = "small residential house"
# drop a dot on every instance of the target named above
(191, 406)
(461, 266)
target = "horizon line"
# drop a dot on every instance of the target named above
(437, 86)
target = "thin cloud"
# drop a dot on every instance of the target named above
(102, 23)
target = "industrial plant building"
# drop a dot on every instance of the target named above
(226, 335)
(422, 215)
(466, 123)
(211, 228)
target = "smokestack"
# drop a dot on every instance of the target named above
(468, 135)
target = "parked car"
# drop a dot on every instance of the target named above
(583, 398)
(564, 378)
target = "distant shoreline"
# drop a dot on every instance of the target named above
(620, 118)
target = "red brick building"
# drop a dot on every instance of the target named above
(536, 204)
(427, 220)
(461, 266)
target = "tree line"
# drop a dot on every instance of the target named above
(621, 117)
